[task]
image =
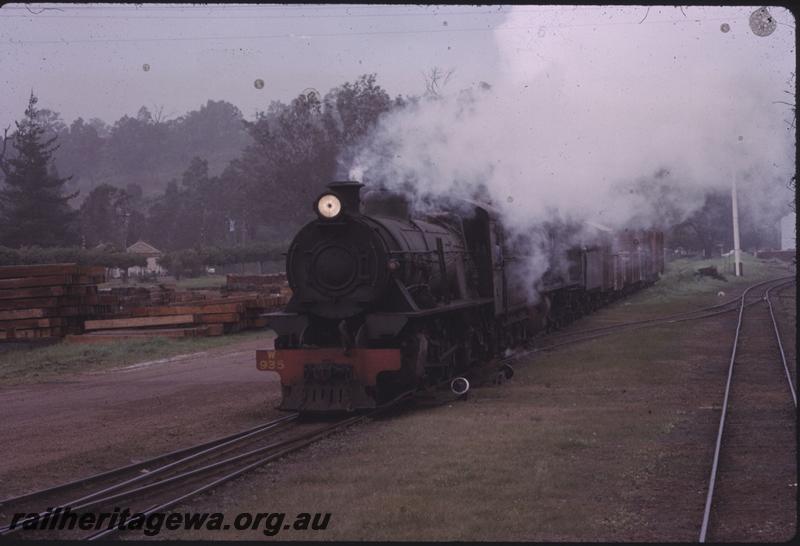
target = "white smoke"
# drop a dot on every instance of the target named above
(618, 124)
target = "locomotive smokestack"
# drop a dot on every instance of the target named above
(348, 191)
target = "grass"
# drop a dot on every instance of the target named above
(31, 364)
(209, 281)
(544, 457)
(681, 286)
(205, 281)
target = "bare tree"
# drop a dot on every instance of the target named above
(5, 142)
(792, 184)
(158, 114)
(435, 80)
(790, 83)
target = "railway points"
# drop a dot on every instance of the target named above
(755, 456)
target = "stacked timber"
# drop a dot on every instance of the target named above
(275, 283)
(234, 313)
(127, 296)
(201, 317)
(49, 301)
(114, 329)
(140, 296)
(162, 294)
(195, 294)
(57, 300)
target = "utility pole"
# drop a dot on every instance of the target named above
(737, 251)
(126, 223)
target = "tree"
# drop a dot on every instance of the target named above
(51, 122)
(80, 153)
(435, 80)
(792, 125)
(34, 209)
(293, 157)
(202, 218)
(708, 227)
(136, 146)
(297, 150)
(163, 218)
(215, 132)
(354, 108)
(105, 217)
(100, 126)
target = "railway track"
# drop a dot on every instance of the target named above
(790, 370)
(162, 482)
(562, 339)
(113, 479)
(753, 486)
(752, 489)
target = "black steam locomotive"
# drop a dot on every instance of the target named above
(384, 301)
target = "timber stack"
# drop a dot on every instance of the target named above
(204, 316)
(62, 300)
(49, 301)
(274, 284)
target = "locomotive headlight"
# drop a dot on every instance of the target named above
(329, 206)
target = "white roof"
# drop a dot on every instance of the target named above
(140, 247)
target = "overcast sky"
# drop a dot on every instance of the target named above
(94, 60)
(89, 61)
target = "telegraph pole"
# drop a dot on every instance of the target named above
(737, 252)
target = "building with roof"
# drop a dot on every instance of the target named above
(151, 255)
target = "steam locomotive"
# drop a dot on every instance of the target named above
(385, 301)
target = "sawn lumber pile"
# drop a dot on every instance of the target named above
(275, 284)
(140, 296)
(49, 301)
(58, 300)
(193, 318)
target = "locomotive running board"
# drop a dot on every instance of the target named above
(286, 323)
(455, 305)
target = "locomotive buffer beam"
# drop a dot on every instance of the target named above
(327, 387)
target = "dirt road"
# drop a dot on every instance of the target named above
(87, 423)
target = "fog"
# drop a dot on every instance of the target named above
(598, 121)
(88, 59)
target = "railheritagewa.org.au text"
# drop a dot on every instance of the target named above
(151, 524)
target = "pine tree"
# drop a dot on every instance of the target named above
(34, 209)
